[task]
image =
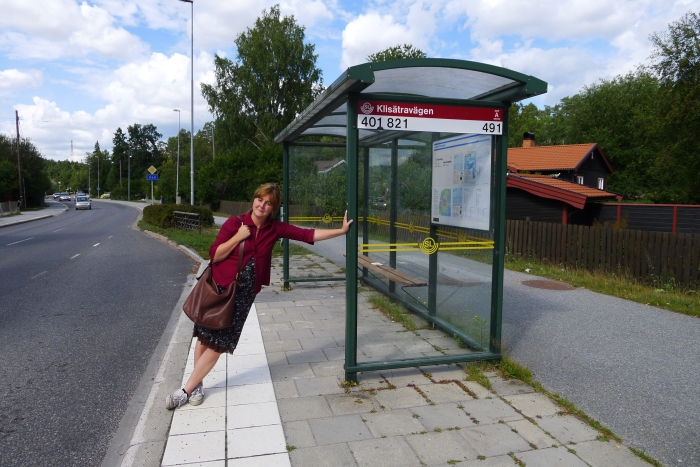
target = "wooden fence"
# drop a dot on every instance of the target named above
(650, 257)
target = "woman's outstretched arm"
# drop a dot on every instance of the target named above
(325, 234)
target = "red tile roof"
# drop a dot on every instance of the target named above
(553, 188)
(539, 158)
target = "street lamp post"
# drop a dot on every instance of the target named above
(177, 176)
(191, 2)
(128, 179)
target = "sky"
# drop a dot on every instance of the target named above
(77, 70)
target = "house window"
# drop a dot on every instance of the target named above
(601, 183)
(579, 179)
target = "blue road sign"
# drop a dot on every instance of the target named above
(152, 177)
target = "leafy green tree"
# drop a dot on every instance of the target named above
(273, 79)
(35, 180)
(143, 148)
(676, 57)
(397, 52)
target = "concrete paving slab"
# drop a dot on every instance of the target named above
(282, 346)
(285, 389)
(291, 372)
(290, 315)
(304, 408)
(319, 386)
(248, 415)
(442, 416)
(337, 455)
(341, 429)
(433, 448)
(533, 404)
(313, 324)
(480, 391)
(353, 403)
(400, 398)
(386, 423)
(275, 327)
(334, 368)
(317, 343)
(533, 434)
(494, 440)
(306, 356)
(489, 411)
(567, 429)
(198, 421)
(499, 461)
(295, 334)
(298, 434)
(197, 447)
(607, 454)
(277, 358)
(335, 353)
(443, 393)
(272, 460)
(255, 441)
(249, 394)
(445, 372)
(385, 452)
(405, 376)
(559, 457)
(509, 387)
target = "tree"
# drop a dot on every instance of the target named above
(36, 181)
(143, 148)
(273, 79)
(676, 58)
(397, 52)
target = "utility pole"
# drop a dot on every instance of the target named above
(19, 159)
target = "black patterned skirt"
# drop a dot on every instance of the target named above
(226, 340)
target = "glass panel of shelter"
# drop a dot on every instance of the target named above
(450, 288)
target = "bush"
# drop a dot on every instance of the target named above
(162, 214)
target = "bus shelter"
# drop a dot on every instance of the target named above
(415, 150)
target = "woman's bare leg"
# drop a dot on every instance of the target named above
(205, 362)
(198, 351)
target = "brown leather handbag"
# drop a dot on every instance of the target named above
(206, 306)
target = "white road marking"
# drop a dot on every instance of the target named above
(15, 243)
(59, 229)
(40, 274)
(95, 244)
(110, 236)
(75, 256)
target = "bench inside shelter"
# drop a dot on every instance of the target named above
(390, 273)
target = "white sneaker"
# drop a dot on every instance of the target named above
(176, 399)
(197, 396)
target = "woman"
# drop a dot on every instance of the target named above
(260, 231)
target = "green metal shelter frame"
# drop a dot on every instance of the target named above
(335, 113)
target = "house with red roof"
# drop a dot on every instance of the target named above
(563, 184)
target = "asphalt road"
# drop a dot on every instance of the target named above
(84, 299)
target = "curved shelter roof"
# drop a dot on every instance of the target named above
(436, 80)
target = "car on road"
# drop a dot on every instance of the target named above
(56, 195)
(64, 197)
(82, 202)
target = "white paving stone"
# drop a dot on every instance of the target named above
(256, 441)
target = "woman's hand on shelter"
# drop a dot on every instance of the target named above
(325, 234)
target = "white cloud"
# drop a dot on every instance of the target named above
(15, 79)
(371, 33)
(51, 29)
(140, 92)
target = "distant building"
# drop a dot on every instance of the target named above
(556, 183)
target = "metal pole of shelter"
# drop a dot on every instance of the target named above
(499, 228)
(351, 241)
(285, 212)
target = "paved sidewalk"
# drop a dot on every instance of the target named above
(53, 208)
(279, 400)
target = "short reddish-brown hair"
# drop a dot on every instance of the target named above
(273, 191)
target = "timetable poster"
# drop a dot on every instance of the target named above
(461, 184)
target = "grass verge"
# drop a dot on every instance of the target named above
(663, 296)
(393, 310)
(201, 242)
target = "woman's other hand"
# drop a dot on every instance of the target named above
(242, 234)
(346, 223)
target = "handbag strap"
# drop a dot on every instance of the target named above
(241, 246)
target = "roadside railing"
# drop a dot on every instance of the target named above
(188, 220)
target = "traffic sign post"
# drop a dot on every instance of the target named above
(152, 176)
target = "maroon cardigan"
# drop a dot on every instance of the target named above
(259, 245)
